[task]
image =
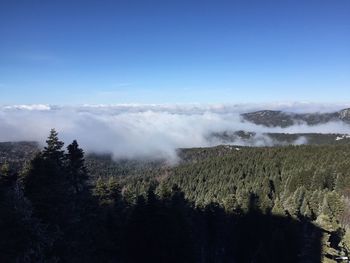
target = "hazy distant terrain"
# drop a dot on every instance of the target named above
(285, 119)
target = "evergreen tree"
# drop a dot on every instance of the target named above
(5, 175)
(278, 208)
(231, 204)
(23, 237)
(53, 149)
(5, 169)
(46, 186)
(101, 190)
(77, 173)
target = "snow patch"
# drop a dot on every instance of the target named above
(344, 136)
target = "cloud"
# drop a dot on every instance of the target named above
(31, 107)
(154, 131)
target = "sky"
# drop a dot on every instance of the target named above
(111, 52)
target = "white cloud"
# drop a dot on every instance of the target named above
(147, 130)
(28, 107)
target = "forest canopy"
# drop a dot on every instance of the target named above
(222, 204)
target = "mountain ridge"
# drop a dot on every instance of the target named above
(278, 118)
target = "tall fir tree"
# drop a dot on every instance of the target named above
(53, 149)
(45, 183)
(77, 173)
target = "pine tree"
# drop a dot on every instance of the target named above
(5, 169)
(163, 190)
(114, 188)
(5, 173)
(278, 208)
(23, 238)
(230, 203)
(77, 173)
(53, 149)
(336, 204)
(101, 190)
(45, 183)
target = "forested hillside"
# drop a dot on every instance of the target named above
(272, 118)
(220, 204)
(279, 139)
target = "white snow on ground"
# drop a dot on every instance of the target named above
(344, 136)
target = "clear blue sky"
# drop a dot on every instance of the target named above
(75, 52)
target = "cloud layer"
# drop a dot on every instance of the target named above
(155, 131)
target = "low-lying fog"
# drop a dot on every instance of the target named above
(155, 131)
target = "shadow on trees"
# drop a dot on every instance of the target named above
(171, 230)
(160, 229)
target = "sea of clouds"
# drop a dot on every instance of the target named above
(153, 131)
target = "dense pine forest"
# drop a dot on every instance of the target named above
(220, 204)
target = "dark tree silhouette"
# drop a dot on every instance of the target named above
(53, 150)
(77, 173)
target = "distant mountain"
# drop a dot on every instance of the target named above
(272, 118)
(344, 115)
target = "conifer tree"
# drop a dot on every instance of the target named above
(45, 183)
(30, 241)
(101, 190)
(278, 208)
(5, 169)
(114, 189)
(4, 173)
(230, 203)
(53, 149)
(77, 173)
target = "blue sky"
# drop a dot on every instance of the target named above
(76, 52)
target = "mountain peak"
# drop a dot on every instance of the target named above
(344, 114)
(271, 118)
